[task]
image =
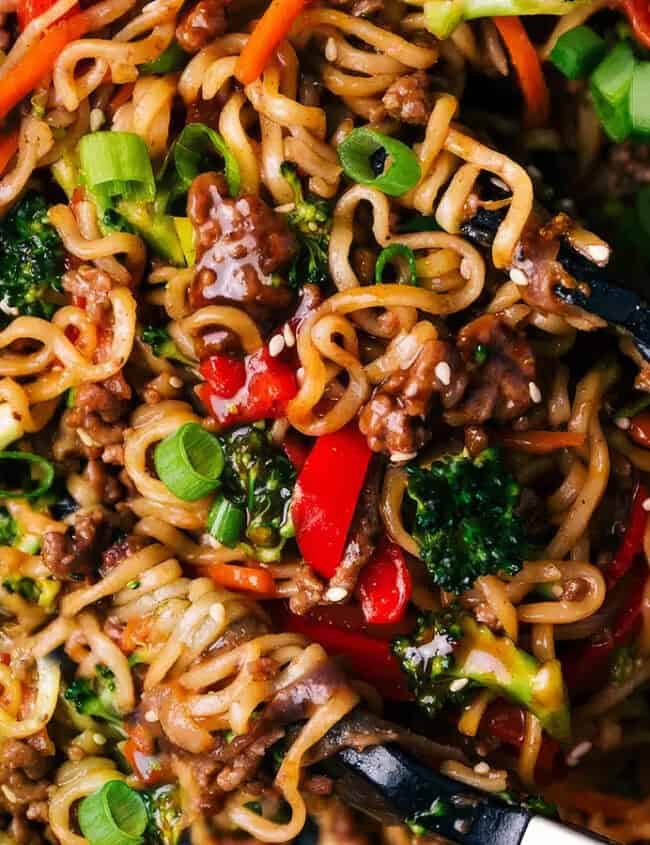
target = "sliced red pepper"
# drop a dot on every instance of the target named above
(507, 722)
(326, 496)
(385, 585)
(296, 448)
(29, 10)
(639, 429)
(638, 13)
(350, 617)
(139, 750)
(632, 542)
(267, 386)
(369, 659)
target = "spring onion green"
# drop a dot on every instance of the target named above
(379, 161)
(391, 252)
(170, 60)
(577, 52)
(189, 462)
(113, 815)
(116, 164)
(34, 465)
(640, 101)
(226, 522)
(610, 88)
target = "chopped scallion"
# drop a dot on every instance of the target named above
(40, 471)
(640, 101)
(226, 522)
(113, 815)
(172, 59)
(379, 161)
(116, 164)
(577, 52)
(610, 88)
(189, 462)
(391, 252)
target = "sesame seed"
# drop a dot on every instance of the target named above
(623, 423)
(150, 716)
(576, 754)
(518, 277)
(482, 768)
(300, 374)
(336, 594)
(462, 825)
(646, 505)
(535, 392)
(330, 50)
(99, 739)
(443, 372)
(599, 253)
(465, 268)
(97, 119)
(276, 345)
(398, 457)
(289, 336)
(458, 684)
(176, 382)
(557, 591)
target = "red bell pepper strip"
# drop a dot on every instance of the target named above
(326, 496)
(369, 659)
(257, 388)
(385, 585)
(29, 10)
(507, 722)
(296, 448)
(638, 13)
(587, 667)
(632, 542)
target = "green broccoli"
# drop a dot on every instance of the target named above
(162, 345)
(449, 654)
(95, 697)
(166, 818)
(311, 222)
(31, 260)
(465, 521)
(257, 486)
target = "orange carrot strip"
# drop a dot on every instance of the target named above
(271, 29)
(8, 148)
(539, 442)
(527, 66)
(38, 61)
(236, 577)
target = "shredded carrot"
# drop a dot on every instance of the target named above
(121, 97)
(8, 148)
(135, 633)
(236, 577)
(539, 442)
(527, 66)
(271, 29)
(38, 61)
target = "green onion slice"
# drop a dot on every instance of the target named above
(170, 60)
(116, 164)
(226, 522)
(396, 251)
(610, 88)
(640, 101)
(113, 815)
(378, 161)
(577, 52)
(189, 462)
(34, 465)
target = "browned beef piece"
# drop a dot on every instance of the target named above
(70, 557)
(201, 24)
(309, 593)
(241, 244)
(409, 99)
(91, 285)
(119, 551)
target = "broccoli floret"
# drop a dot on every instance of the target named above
(311, 222)
(259, 479)
(95, 697)
(162, 345)
(31, 260)
(166, 818)
(449, 654)
(40, 591)
(465, 521)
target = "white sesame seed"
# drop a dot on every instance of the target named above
(646, 505)
(443, 372)
(623, 423)
(336, 594)
(535, 392)
(398, 457)
(217, 612)
(465, 268)
(150, 716)
(518, 277)
(99, 739)
(176, 382)
(462, 825)
(599, 253)
(576, 754)
(276, 345)
(458, 684)
(289, 336)
(97, 119)
(300, 374)
(482, 768)
(557, 591)
(330, 50)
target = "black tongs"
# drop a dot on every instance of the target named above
(620, 307)
(387, 783)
